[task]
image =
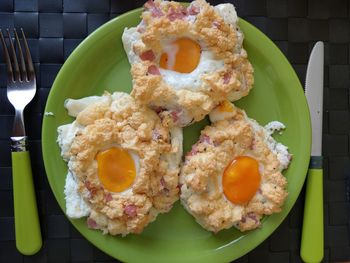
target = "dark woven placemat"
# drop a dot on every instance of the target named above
(56, 27)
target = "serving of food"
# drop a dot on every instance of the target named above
(232, 175)
(169, 113)
(185, 60)
(123, 163)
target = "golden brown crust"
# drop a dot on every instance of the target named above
(233, 80)
(200, 176)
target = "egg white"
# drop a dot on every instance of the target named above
(66, 134)
(76, 207)
(74, 107)
(131, 36)
(227, 12)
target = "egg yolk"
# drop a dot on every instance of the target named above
(225, 106)
(116, 169)
(241, 179)
(182, 56)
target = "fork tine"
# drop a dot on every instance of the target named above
(7, 57)
(21, 58)
(14, 57)
(31, 72)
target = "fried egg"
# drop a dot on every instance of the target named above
(185, 61)
(123, 163)
(233, 174)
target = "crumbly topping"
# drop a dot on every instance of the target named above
(200, 176)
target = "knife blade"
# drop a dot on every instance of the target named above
(312, 247)
(314, 95)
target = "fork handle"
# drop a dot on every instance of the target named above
(28, 235)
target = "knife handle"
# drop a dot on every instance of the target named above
(28, 235)
(312, 247)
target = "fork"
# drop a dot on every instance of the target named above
(21, 88)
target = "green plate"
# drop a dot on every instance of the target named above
(99, 63)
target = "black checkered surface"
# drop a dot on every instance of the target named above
(55, 27)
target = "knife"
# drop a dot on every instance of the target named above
(312, 248)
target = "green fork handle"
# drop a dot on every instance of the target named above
(28, 235)
(312, 234)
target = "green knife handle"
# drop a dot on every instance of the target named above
(312, 247)
(28, 235)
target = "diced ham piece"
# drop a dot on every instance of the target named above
(252, 216)
(165, 189)
(154, 9)
(193, 10)
(91, 223)
(179, 13)
(88, 185)
(227, 77)
(130, 211)
(252, 145)
(153, 70)
(141, 28)
(179, 187)
(156, 135)
(147, 55)
(108, 197)
(158, 109)
(216, 24)
(162, 182)
(157, 12)
(149, 4)
(91, 188)
(193, 151)
(175, 115)
(206, 139)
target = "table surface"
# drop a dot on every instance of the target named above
(56, 27)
